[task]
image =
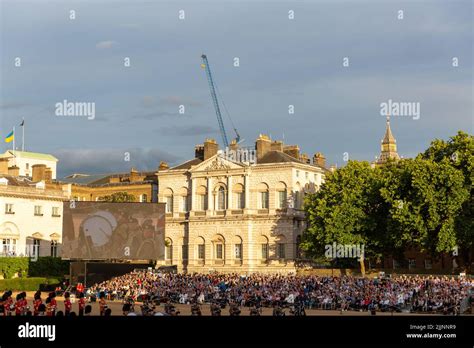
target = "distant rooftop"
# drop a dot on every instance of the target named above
(27, 154)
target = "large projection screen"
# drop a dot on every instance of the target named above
(102, 230)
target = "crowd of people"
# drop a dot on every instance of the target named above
(410, 293)
(257, 291)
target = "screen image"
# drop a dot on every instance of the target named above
(102, 230)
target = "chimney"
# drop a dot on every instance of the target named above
(319, 160)
(163, 166)
(48, 175)
(38, 172)
(199, 152)
(277, 145)
(305, 159)
(210, 148)
(233, 145)
(292, 150)
(134, 175)
(3, 165)
(14, 171)
(262, 145)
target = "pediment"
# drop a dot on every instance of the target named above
(217, 163)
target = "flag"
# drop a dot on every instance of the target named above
(22, 123)
(9, 137)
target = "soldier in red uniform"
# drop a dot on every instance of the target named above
(53, 303)
(82, 304)
(37, 302)
(67, 304)
(18, 305)
(8, 303)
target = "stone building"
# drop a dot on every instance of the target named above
(84, 187)
(30, 214)
(227, 215)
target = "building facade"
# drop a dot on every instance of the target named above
(229, 216)
(24, 161)
(30, 217)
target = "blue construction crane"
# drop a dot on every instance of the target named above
(212, 87)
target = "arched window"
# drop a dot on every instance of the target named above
(201, 201)
(264, 197)
(219, 243)
(238, 248)
(168, 249)
(239, 195)
(221, 198)
(168, 194)
(265, 253)
(184, 199)
(143, 198)
(201, 248)
(281, 195)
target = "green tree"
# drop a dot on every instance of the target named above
(344, 210)
(424, 197)
(118, 197)
(458, 151)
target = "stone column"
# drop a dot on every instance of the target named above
(247, 191)
(210, 198)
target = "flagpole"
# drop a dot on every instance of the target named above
(13, 138)
(23, 135)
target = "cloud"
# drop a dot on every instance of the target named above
(13, 105)
(160, 114)
(92, 161)
(177, 100)
(106, 44)
(190, 130)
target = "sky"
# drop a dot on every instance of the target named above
(282, 62)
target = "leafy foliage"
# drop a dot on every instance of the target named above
(425, 203)
(118, 197)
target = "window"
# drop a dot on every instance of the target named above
(202, 202)
(240, 200)
(169, 251)
(36, 247)
(264, 200)
(184, 203)
(428, 264)
(265, 251)
(54, 248)
(8, 247)
(306, 175)
(143, 198)
(281, 250)
(38, 210)
(281, 199)
(297, 173)
(201, 251)
(221, 198)
(315, 177)
(219, 251)
(411, 263)
(238, 251)
(9, 208)
(185, 251)
(27, 166)
(169, 204)
(55, 212)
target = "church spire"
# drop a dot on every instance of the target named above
(389, 145)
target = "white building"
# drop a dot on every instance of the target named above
(26, 160)
(30, 217)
